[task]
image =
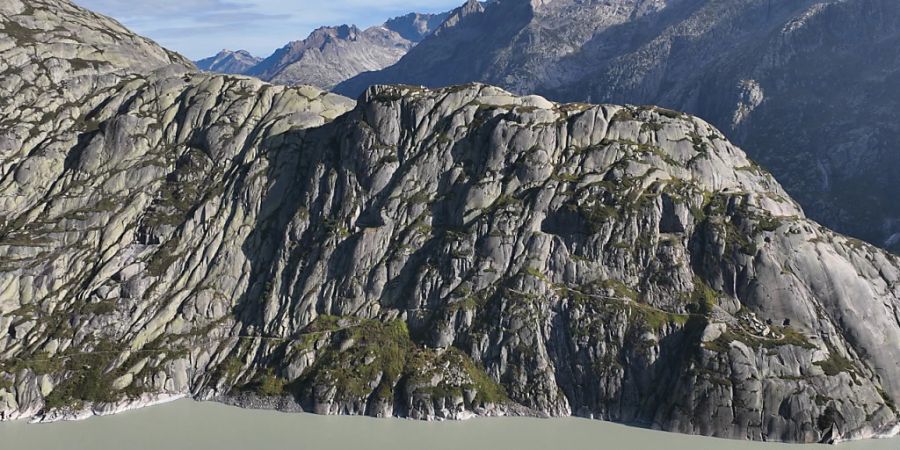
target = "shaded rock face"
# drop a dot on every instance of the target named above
(807, 87)
(229, 62)
(420, 253)
(516, 43)
(415, 26)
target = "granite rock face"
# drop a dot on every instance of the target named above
(807, 87)
(418, 253)
(229, 62)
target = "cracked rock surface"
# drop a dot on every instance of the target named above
(419, 253)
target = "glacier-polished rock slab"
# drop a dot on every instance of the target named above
(430, 254)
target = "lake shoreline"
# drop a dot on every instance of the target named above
(108, 409)
(213, 425)
(286, 405)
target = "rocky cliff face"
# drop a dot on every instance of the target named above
(420, 253)
(807, 87)
(230, 62)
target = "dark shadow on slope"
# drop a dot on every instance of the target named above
(650, 389)
(455, 55)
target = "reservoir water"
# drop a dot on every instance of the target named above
(191, 425)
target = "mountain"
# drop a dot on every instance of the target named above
(503, 42)
(418, 253)
(334, 54)
(227, 61)
(415, 26)
(807, 87)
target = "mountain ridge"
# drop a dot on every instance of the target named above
(331, 54)
(229, 62)
(752, 68)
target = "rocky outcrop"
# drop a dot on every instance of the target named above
(420, 253)
(229, 62)
(775, 76)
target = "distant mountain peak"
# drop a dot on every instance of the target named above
(332, 54)
(228, 61)
(415, 26)
(471, 7)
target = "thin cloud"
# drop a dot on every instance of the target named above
(200, 28)
(160, 8)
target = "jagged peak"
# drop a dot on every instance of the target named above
(470, 8)
(416, 26)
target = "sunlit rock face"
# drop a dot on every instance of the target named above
(419, 253)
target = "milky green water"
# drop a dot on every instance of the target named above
(191, 425)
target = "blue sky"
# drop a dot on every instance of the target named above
(200, 28)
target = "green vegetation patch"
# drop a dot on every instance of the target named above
(183, 190)
(623, 115)
(41, 363)
(267, 384)
(87, 377)
(470, 301)
(651, 127)
(768, 223)
(369, 358)
(535, 273)
(100, 308)
(703, 299)
(624, 301)
(162, 259)
(427, 365)
(374, 350)
(836, 364)
(789, 337)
